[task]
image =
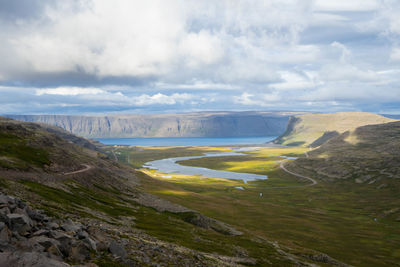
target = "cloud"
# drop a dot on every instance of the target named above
(201, 48)
(151, 38)
(345, 52)
(124, 55)
(345, 5)
(295, 81)
(395, 54)
(198, 85)
(159, 98)
(261, 100)
(69, 91)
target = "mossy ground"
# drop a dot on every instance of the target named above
(16, 153)
(337, 218)
(167, 226)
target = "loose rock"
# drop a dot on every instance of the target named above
(117, 250)
(19, 222)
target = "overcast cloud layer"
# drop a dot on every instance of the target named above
(174, 56)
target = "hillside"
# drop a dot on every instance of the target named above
(213, 124)
(315, 129)
(341, 199)
(64, 203)
(369, 154)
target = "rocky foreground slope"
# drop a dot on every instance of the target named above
(66, 204)
(29, 236)
(213, 124)
(315, 129)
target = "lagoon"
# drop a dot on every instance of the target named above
(171, 166)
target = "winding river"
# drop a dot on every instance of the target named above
(170, 166)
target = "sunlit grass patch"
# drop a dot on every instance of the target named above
(280, 151)
(192, 179)
(352, 138)
(171, 192)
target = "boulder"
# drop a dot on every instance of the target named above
(117, 249)
(20, 211)
(23, 229)
(80, 252)
(3, 214)
(55, 252)
(4, 247)
(3, 199)
(12, 207)
(44, 241)
(35, 215)
(19, 222)
(31, 259)
(82, 234)
(60, 236)
(92, 244)
(30, 245)
(65, 241)
(5, 234)
(52, 225)
(102, 246)
(17, 237)
(69, 226)
(20, 204)
(44, 232)
(5, 211)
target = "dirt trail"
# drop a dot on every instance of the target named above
(87, 167)
(314, 182)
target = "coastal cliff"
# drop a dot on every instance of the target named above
(212, 124)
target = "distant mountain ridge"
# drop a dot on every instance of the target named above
(202, 124)
(391, 116)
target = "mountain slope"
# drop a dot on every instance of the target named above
(315, 129)
(100, 199)
(213, 124)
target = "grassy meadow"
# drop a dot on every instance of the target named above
(350, 222)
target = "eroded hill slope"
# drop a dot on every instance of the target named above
(315, 129)
(367, 154)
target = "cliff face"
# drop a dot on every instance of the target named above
(220, 124)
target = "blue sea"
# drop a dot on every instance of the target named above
(187, 141)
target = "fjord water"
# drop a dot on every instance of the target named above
(187, 141)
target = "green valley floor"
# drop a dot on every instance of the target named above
(355, 224)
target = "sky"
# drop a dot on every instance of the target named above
(167, 56)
